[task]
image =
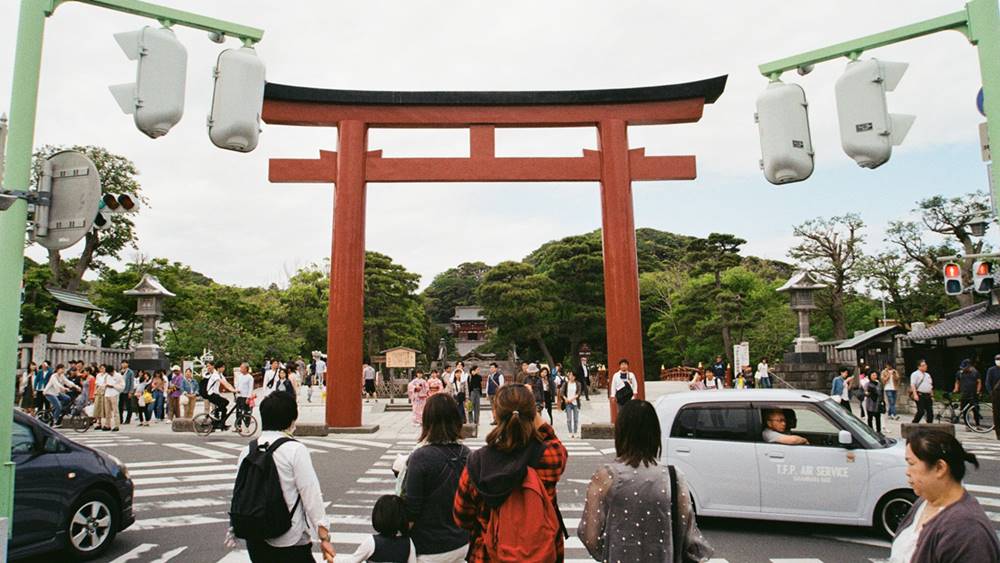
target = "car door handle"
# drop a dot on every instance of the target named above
(683, 450)
(775, 455)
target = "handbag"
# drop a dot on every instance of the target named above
(147, 397)
(624, 394)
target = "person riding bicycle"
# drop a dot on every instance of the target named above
(970, 383)
(216, 379)
(55, 393)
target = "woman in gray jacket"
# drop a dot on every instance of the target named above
(947, 524)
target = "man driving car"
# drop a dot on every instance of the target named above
(776, 428)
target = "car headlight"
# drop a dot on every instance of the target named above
(120, 464)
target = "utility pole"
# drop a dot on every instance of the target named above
(24, 105)
(979, 22)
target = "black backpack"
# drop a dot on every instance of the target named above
(258, 510)
(203, 387)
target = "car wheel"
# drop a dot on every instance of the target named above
(891, 510)
(92, 525)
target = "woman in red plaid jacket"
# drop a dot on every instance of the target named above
(520, 439)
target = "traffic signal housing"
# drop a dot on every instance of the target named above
(234, 123)
(982, 276)
(156, 98)
(111, 205)
(952, 279)
(867, 130)
(785, 143)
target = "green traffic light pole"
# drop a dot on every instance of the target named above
(23, 107)
(979, 22)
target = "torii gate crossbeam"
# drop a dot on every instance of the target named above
(352, 166)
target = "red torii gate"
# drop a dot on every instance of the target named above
(352, 166)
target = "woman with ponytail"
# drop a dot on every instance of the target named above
(522, 451)
(947, 524)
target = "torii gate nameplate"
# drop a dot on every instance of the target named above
(353, 165)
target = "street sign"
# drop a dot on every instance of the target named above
(979, 102)
(74, 188)
(984, 142)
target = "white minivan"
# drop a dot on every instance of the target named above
(846, 474)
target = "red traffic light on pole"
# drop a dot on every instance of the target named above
(952, 279)
(982, 276)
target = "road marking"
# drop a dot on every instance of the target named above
(609, 451)
(177, 504)
(987, 501)
(170, 555)
(379, 472)
(184, 470)
(170, 463)
(177, 521)
(227, 476)
(858, 540)
(372, 480)
(134, 553)
(331, 445)
(364, 442)
(241, 447)
(198, 450)
(193, 489)
(982, 489)
(797, 560)
(378, 493)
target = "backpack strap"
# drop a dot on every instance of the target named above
(676, 533)
(536, 456)
(270, 451)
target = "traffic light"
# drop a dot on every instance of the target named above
(234, 123)
(785, 143)
(867, 130)
(110, 205)
(156, 98)
(952, 279)
(982, 276)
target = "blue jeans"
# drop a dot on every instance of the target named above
(765, 383)
(57, 405)
(890, 397)
(572, 417)
(158, 404)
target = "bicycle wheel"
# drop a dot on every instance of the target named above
(985, 419)
(203, 424)
(947, 415)
(45, 417)
(248, 425)
(81, 422)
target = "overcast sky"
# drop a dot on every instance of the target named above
(216, 211)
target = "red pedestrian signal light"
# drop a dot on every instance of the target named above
(982, 276)
(952, 279)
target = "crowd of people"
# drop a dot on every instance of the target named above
(555, 388)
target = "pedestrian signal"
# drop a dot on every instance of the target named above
(156, 98)
(783, 124)
(952, 279)
(867, 130)
(982, 276)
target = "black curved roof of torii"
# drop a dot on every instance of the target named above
(710, 89)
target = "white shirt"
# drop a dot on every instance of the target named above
(762, 371)
(214, 382)
(618, 383)
(58, 384)
(888, 383)
(244, 384)
(114, 383)
(298, 480)
(772, 436)
(100, 380)
(713, 384)
(270, 377)
(905, 542)
(572, 390)
(320, 367)
(369, 372)
(845, 394)
(367, 549)
(921, 381)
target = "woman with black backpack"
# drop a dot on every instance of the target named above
(636, 509)
(430, 481)
(507, 494)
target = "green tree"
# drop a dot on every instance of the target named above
(394, 313)
(38, 311)
(714, 255)
(453, 287)
(306, 301)
(117, 177)
(521, 303)
(831, 248)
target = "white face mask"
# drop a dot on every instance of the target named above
(997, 362)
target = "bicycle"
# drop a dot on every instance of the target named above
(45, 415)
(79, 420)
(949, 413)
(953, 413)
(206, 423)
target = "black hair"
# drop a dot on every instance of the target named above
(278, 411)
(843, 369)
(494, 365)
(930, 446)
(442, 423)
(623, 361)
(389, 516)
(637, 434)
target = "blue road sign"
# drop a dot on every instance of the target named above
(979, 102)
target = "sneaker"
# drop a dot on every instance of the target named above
(114, 429)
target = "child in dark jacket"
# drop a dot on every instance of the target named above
(391, 544)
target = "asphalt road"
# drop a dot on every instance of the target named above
(183, 486)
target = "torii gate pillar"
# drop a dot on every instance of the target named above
(614, 165)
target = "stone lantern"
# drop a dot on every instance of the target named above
(801, 289)
(148, 355)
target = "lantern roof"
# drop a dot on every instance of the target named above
(149, 286)
(802, 280)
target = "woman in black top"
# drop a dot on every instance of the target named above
(432, 474)
(475, 393)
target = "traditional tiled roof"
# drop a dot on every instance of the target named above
(866, 337)
(468, 313)
(968, 321)
(72, 299)
(801, 280)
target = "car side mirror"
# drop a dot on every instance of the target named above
(844, 438)
(51, 445)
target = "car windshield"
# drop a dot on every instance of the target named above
(855, 425)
